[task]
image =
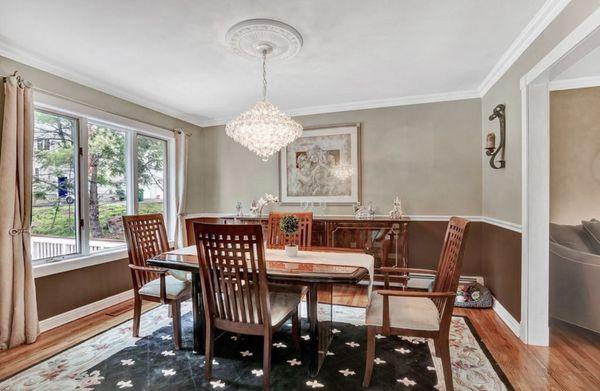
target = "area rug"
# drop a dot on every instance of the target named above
(115, 360)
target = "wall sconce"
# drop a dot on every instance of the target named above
(490, 147)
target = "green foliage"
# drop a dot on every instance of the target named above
(107, 155)
(55, 156)
(289, 224)
(45, 222)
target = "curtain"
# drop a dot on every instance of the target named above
(181, 159)
(18, 309)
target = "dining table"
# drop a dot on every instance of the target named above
(318, 268)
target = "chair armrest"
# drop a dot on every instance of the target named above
(150, 269)
(399, 270)
(333, 249)
(162, 273)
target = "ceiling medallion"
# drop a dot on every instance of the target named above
(244, 37)
(264, 129)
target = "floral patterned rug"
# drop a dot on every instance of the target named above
(115, 360)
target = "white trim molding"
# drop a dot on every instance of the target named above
(490, 220)
(25, 57)
(571, 84)
(369, 104)
(80, 312)
(536, 175)
(502, 224)
(549, 11)
(65, 265)
(507, 318)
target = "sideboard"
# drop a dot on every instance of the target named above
(386, 239)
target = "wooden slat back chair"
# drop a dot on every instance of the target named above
(147, 237)
(417, 313)
(278, 239)
(235, 288)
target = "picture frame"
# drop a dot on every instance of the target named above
(322, 166)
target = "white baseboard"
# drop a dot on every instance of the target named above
(507, 318)
(80, 312)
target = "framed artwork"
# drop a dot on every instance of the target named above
(323, 165)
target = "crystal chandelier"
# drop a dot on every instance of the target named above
(264, 129)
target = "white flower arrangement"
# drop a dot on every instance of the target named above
(257, 207)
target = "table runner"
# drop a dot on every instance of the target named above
(317, 257)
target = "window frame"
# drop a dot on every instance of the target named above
(85, 114)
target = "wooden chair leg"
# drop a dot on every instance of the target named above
(370, 355)
(209, 350)
(296, 329)
(176, 308)
(170, 313)
(137, 313)
(444, 353)
(267, 360)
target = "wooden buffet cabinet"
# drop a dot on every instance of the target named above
(386, 239)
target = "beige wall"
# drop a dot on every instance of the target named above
(574, 155)
(59, 293)
(502, 188)
(428, 154)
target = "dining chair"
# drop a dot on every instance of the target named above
(235, 290)
(416, 313)
(147, 237)
(277, 239)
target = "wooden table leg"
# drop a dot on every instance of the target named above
(198, 315)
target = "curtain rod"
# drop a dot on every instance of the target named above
(56, 95)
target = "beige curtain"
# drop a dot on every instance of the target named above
(181, 159)
(18, 310)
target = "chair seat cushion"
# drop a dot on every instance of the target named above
(414, 313)
(282, 304)
(176, 289)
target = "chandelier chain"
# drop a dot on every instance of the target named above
(264, 74)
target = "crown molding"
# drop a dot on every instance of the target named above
(369, 104)
(27, 58)
(570, 84)
(549, 11)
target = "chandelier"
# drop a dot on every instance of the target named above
(263, 129)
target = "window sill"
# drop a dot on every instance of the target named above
(47, 269)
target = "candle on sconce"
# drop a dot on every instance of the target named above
(491, 141)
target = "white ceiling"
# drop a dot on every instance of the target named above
(172, 55)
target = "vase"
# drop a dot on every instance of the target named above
(291, 250)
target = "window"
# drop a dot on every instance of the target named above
(107, 184)
(151, 174)
(85, 175)
(54, 214)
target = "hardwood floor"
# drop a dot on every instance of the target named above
(572, 362)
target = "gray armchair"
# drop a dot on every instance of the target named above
(574, 277)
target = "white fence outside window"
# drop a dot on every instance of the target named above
(48, 246)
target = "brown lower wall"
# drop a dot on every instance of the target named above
(425, 239)
(63, 292)
(501, 266)
(492, 252)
